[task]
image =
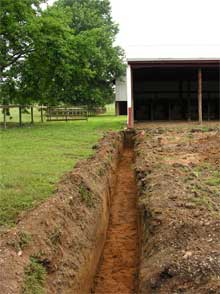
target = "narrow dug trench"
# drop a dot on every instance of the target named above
(117, 271)
(92, 213)
(168, 243)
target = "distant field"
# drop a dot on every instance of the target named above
(33, 158)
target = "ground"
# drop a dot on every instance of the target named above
(178, 171)
(175, 239)
(33, 158)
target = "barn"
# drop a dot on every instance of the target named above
(169, 89)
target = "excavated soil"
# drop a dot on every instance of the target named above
(169, 243)
(117, 272)
(178, 175)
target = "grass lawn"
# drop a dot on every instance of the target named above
(33, 158)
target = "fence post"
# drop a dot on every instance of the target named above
(32, 115)
(20, 116)
(41, 114)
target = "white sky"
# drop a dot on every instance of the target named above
(194, 25)
(168, 22)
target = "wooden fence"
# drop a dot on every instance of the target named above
(6, 109)
(51, 113)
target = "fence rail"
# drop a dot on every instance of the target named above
(66, 113)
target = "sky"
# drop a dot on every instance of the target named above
(168, 26)
(173, 26)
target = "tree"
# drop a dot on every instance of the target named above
(16, 30)
(46, 71)
(66, 53)
(95, 32)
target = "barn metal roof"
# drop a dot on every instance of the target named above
(169, 53)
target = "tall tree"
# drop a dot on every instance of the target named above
(47, 70)
(69, 55)
(16, 42)
(103, 62)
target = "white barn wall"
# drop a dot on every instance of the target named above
(121, 90)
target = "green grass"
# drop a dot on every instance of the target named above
(33, 158)
(35, 275)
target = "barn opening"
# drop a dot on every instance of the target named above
(121, 107)
(171, 92)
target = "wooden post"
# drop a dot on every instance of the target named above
(41, 114)
(129, 97)
(20, 116)
(200, 95)
(4, 114)
(219, 104)
(32, 115)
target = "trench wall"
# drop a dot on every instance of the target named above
(65, 234)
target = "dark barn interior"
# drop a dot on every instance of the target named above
(122, 108)
(171, 93)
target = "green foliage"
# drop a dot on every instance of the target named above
(213, 181)
(85, 195)
(17, 19)
(20, 241)
(24, 239)
(64, 54)
(34, 278)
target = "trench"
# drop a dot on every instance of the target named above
(118, 266)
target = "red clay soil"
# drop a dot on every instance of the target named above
(118, 267)
(178, 179)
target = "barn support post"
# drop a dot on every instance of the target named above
(219, 106)
(219, 91)
(129, 97)
(200, 95)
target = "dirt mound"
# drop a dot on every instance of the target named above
(57, 246)
(178, 176)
